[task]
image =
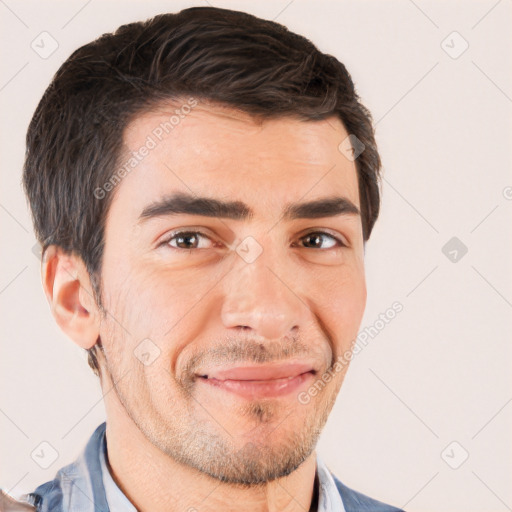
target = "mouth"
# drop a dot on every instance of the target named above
(252, 382)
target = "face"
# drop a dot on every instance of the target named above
(221, 313)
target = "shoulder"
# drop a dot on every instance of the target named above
(77, 486)
(9, 504)
(45, 498)
(354, 501)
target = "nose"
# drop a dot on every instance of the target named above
(263, 299)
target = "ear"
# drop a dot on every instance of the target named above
(68, 289)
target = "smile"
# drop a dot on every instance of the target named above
(260, 381)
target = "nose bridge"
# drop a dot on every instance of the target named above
(260, 295)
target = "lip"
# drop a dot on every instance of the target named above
(260, 372)
(252, 382)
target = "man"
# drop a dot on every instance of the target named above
(203, 185)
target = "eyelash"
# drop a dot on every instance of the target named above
(181, 233)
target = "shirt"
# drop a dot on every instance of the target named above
(86, 485)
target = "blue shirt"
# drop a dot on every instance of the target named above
(86, 485)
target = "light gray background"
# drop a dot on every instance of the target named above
(440, 371)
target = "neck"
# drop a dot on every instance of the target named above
(155, 482)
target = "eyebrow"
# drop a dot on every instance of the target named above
(181, 203)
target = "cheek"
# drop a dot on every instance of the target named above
(342, 306)
(159, 304)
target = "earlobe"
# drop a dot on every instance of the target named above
(68, 289)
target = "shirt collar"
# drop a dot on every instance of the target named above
(329, 499)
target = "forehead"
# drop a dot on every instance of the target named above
(217, 151)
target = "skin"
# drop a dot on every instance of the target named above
(303, 298)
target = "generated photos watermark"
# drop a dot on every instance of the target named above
(152, 140)
(343, 360)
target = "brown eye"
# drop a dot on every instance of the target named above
(188, 240)
(321, 240)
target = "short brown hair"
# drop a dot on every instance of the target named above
(75, 138)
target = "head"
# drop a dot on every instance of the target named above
(191, 185)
